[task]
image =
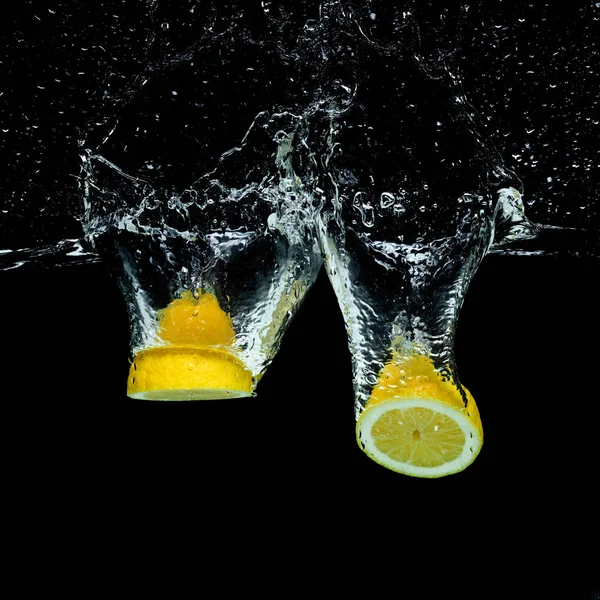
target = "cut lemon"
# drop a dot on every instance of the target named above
(418, 423)
(195, 363)
(195, 320)
(186, 373)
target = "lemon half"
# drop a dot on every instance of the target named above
(186, 373)
(195, 320)
(418, 423)
(194, 361)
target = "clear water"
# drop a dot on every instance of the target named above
(238, 146)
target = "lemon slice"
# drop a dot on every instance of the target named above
(418, 423)
(187, 373)
(194, 360)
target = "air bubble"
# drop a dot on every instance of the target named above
(386, 200)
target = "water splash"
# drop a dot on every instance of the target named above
(415, 137)
(61, 254)
(193, 78)
(242, 231)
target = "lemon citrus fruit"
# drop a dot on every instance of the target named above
(195, 362)
(418, 423)
(196, 320)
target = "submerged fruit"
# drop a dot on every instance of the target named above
(185, 373)
(195, 320)
(418, 423)
(196, 361)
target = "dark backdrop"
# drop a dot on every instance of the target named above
(78, 451)
(526, 347)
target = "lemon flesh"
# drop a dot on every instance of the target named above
(418, 423)
(195, 361)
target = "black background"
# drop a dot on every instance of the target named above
(79, 453)
(526, 347)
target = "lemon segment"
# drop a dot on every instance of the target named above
(418, 423)
(186, 373)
